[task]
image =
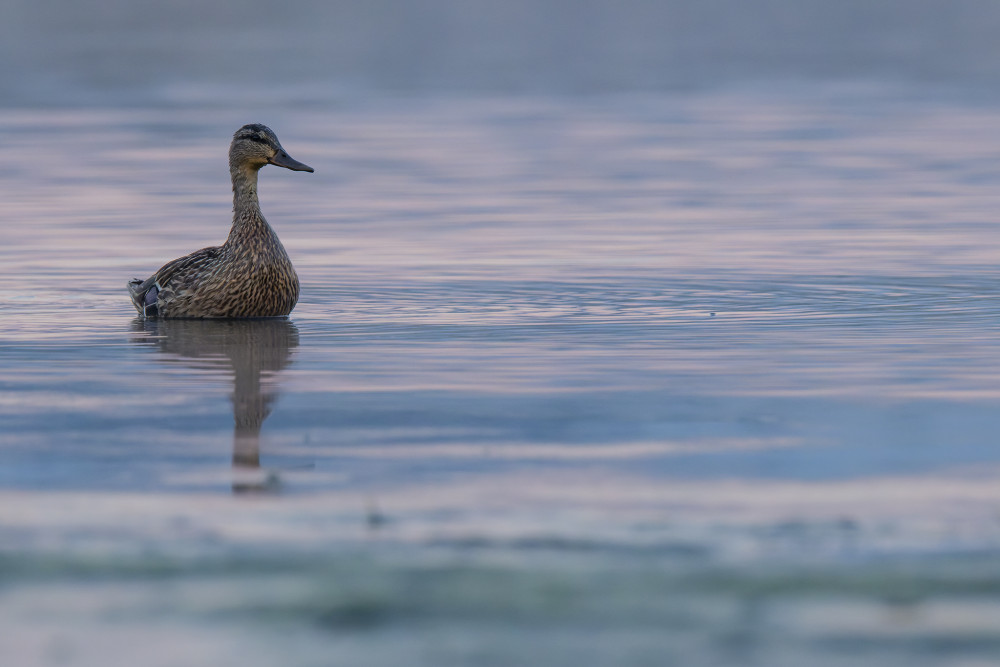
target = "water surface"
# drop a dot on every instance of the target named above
(708, 378)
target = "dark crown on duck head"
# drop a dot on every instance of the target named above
(257, 133)
(258, 145)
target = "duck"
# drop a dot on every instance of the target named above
(248, 276)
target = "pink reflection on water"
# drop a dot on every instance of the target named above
(482, 213)
(706, 184)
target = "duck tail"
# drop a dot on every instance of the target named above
(144, 293)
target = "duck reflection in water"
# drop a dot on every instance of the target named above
(253, 351)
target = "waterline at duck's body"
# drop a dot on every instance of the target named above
(250, 275)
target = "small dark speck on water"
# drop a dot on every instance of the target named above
(375, 518)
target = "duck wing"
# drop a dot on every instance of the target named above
(177, 278)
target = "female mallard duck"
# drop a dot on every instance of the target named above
(250, 274)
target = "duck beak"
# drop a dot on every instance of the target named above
(283, 159)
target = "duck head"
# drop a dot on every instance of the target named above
(255, 145)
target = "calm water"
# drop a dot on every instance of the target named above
(704, 379)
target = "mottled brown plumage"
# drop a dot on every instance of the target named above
(250, 274)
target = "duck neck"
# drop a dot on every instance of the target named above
(248, 222)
